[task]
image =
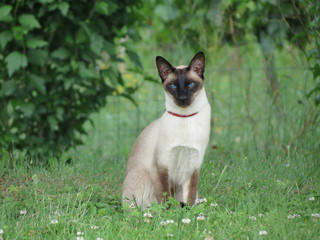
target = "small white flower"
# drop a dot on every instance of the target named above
(291, 216)
(23, 212)
(209, 238)
(163, 223)
(147, 215)
(54, 221)
(200, 200)
(94, 227)
(214, 204)
(169, 221)
(79, 238)
(201, 217)
(316, 215)
(263, 233)
(74, 220)
(261, 215)
(186, 220)
(80, 233)
(1, 231)
(253, 218)
(169, 235)
(311, 198)
(287, 165)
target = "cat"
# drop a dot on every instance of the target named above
(166, 157)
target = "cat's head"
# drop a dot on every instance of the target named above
(184, 82)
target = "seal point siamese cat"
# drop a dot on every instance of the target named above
(166, 158)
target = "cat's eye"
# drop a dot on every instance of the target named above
(190, 85)
(173, 86)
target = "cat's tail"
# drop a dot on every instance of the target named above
(137, 188)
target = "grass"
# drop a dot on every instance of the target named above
(261, 168)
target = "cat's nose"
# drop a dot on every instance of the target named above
(182, 97)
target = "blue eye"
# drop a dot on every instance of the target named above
(190, 85)
(173, 86)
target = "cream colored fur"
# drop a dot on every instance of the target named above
(176, 143)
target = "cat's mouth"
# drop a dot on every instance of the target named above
(183, 102)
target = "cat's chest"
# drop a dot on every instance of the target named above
(192, 132)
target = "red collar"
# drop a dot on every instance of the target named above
(182, 116)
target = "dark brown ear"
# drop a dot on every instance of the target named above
(197, 64)
(164, 68)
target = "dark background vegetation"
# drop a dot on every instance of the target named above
(61, 59)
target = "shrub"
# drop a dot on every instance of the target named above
(59, 62)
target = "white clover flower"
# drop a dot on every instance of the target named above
(54, 221)
(311, 198)
(316, 215)
(1, 231)
(263, 233)
(287, 165)
(214, 204)
(163, 223)
(253, 218)
(23, 212)
(186, 220)
(80, 233)
(147, 215)
(209, 238)
(94, 227)
(200, 200)
(261, 215)
(169, 221)
(201, 217)
(291, 216)
(169, 235)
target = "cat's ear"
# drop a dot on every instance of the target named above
(164, 68)
(197, 64)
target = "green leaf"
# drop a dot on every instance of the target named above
(8, 87)
(5, 13)
(27, 109)
(53, 123)
(134, 58)
(15, 61)
(37, 57)
(96, 44)
(5, 37)
(38, 83)
(36, 43)
(105, 8)
(60, 53)
(80, 36)
(85, 72)
(63, 7)
(29, 21)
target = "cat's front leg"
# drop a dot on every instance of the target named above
(164, 188)
(188, 192)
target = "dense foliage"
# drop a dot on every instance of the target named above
(59, 62)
